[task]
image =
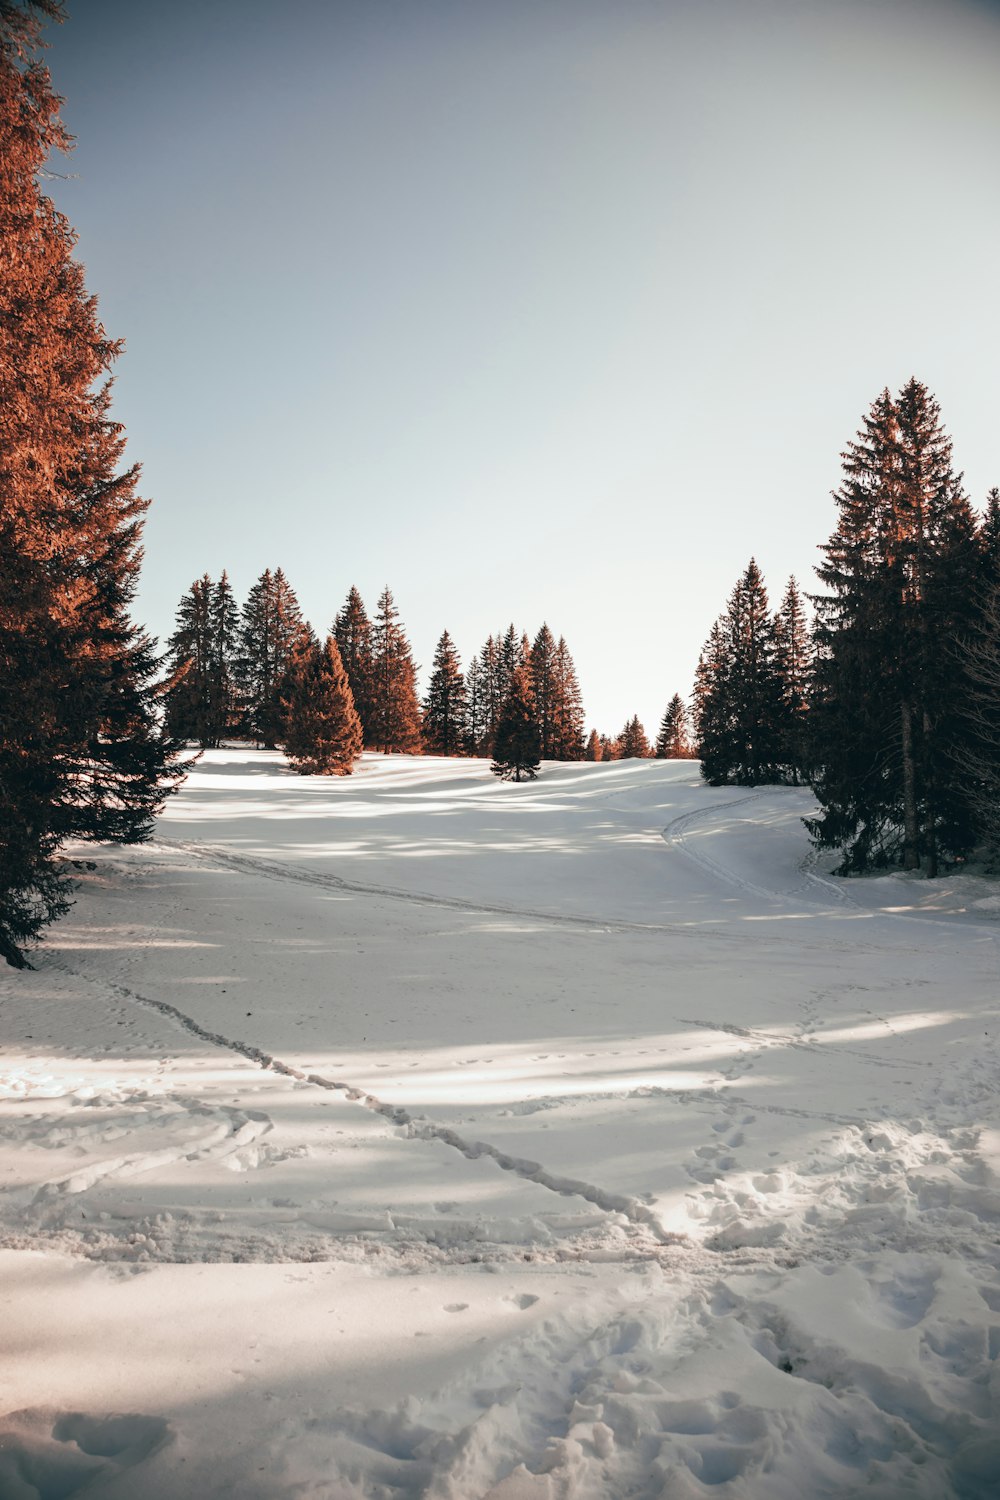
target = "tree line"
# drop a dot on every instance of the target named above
(888, 702)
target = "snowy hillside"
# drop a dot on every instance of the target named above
(414, 1134)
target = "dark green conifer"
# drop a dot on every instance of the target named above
(444, 718)
(900, 571)
(673, 741)
(516, 743)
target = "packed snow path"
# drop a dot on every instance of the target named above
(415, 1134)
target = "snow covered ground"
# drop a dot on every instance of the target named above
(419, 1135)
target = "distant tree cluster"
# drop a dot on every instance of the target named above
(81, 750)
(888, 704)
(253, 673)
(673, 742)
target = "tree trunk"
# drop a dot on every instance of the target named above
(930, 828)
(911, 832)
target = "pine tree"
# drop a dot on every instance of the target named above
(541, 663)
(609, 748)
(271, 625)
(673, 741)
(322, 728)
(444, 719)
(899, 571)
(593, 748)
(632, 742)
(737, 690)
(81, 753)
(793, 662)
(517, 743)
(566, 707)
(201, 696)
(484, 698)
(395, 710)
(189, 698)
(353, 633)
(477, 734)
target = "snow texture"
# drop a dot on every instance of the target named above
(418, 1135)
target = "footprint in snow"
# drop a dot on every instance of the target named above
(456, 1307)
(522, 1300)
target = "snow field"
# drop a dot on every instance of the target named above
(437, 1137)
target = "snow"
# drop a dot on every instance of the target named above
(413, 1134)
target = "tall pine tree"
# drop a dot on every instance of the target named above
(395, 710)
(793, 661)
(444, 720)
(271, 627)
(899, 571)
(353, 633)
(81, 753)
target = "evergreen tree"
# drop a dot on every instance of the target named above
(190, 708)
(593, 749)
(201, 696)
(737, 690)
(632, 742)
(322, 728)
(609, 748)
(793, 662)
(517, 743)
(271, 625)
(81, 753)
(541, 663)
(477, 732)
(566, 707)
(900, 570)
(673, 741)
(396, 712)
(353, 633)
(483, 688)
(225, 618)
(444, 721)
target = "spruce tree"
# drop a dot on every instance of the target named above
(673, 741)
(899, 570)
(190, 709)
(592, 751)
(322, 729)
(444, 716)
(201, 696)
(541, 663)
(395, 710)
(793, 661)
(632, 742)
(485, 690)
(353, 632)
(566, 707)
(737, 690)
(81, 752)
(271, 625)
(517, 743)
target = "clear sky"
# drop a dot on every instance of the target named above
(531, 309)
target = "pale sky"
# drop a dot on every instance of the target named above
(531, 309)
